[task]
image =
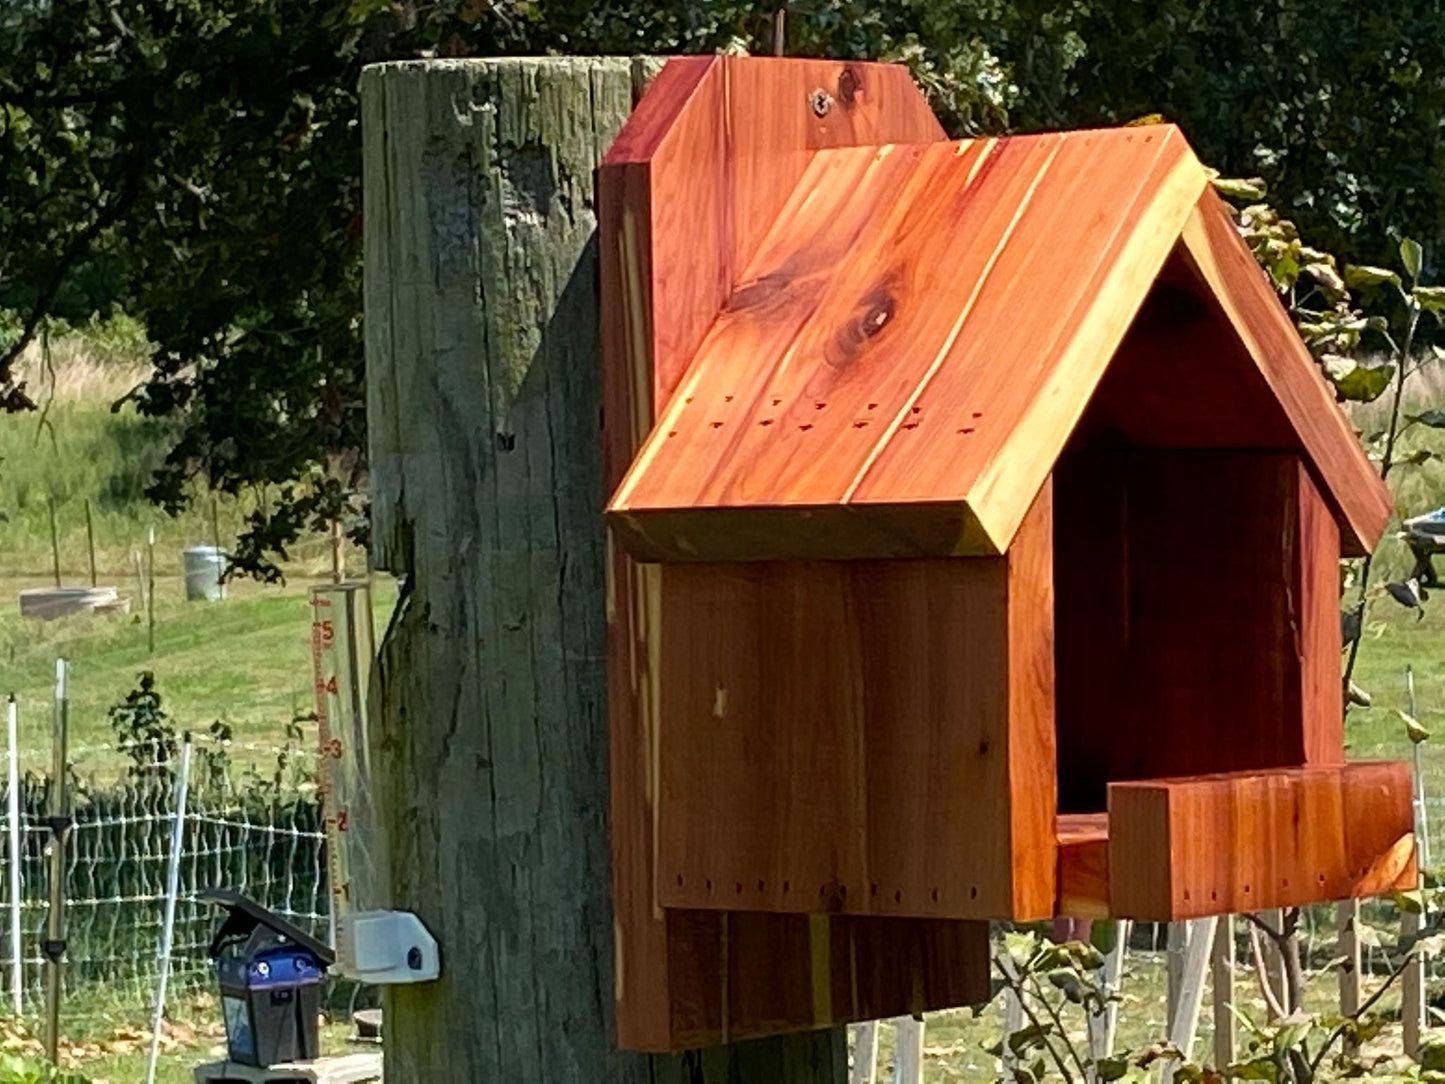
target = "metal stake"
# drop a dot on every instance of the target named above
(17, 953)
(168, 923)
(58, 810)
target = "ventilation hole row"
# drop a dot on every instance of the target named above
(829, 889)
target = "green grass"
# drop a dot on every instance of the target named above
(244, 661)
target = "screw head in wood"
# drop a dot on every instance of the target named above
(820, 101)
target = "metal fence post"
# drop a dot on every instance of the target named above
(168, 922)
(12, 776)
(58, 811)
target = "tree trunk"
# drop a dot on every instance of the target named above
(490, 693)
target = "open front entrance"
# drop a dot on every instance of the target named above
(1197, 633)
(1195, 564)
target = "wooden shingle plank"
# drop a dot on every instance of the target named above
(1041, 285)
(1071, 368)
(1348, 480)
(838, 213)
(888, 312)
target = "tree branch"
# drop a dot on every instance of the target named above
(73, 252)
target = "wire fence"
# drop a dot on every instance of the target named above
(252, 824)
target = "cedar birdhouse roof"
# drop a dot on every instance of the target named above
(895, 364)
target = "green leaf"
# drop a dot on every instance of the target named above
(1411, 903)
(1104, 934)
(1112, 1068)
(1025, 1039)
(1363, 276)
(1413, 730)
(1069, 983)
(1292, 1035)
(1355, 382)
(1410, 257)
(1020, 944)
(1260, 1068)
(1435, 419)
(1240, 188)
(1432, 1055)
(1430, 298)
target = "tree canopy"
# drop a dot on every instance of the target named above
(196, 163)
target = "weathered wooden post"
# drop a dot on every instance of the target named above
(486, 483)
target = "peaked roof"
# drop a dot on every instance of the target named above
(903, 357)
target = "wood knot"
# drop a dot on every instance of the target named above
(850, 82)
(759, 291)
(874, 312)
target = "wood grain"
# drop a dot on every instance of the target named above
(1083, 877)
(895, 407)
(868, 738)
(489, 695)
(688, 978)
(900, 366)
(1189, 847)
(1350, 483)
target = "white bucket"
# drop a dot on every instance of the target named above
(203, 567)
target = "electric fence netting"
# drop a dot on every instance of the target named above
(252, 824)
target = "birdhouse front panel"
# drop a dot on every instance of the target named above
(861, 737)
(974, 533)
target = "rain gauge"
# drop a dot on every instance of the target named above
(373, 944)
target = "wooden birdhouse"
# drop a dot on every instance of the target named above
(975, 524)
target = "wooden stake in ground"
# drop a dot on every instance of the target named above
(151, 591)
(140, 579)
(90, 541)
(483, 406)
(1347, 919)
(216, 536)
(908, 1050)
(1198, 941)
(54, 541)
(865, 1053)
(338, 564)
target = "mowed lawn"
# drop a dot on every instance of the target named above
(245, 661)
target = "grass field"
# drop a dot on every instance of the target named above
(246, 661)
